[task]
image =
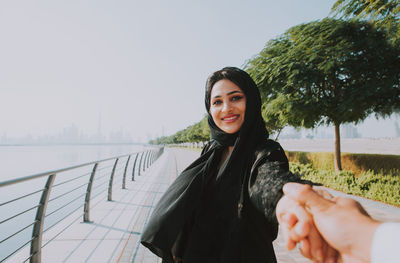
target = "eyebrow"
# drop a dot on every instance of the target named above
(229, 93)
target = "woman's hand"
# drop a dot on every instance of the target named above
(298, 227)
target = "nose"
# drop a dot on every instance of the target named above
(227, 107)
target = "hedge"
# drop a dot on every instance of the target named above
(355, 162)
(376, 186)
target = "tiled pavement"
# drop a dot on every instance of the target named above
(113, 236)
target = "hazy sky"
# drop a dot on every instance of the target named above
(141, 65)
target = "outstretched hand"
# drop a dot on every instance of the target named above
(342, 223)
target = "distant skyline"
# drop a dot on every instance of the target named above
(370, 128)
(73, 134)
(141, 65)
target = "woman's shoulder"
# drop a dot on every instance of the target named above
(266, 143)
(267, 147)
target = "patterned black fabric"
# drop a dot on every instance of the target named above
(227, 214)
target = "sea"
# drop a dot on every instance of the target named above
(23, 160)
(18, 161)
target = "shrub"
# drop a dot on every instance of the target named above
(355, 162)
(376, 186)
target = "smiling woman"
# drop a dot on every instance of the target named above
(228, 106)
(221, 208)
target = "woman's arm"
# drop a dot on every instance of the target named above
(268, 176)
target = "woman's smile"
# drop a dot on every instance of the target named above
(228, 106)
(231, 118)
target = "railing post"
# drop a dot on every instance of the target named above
(37, 232)
(134, 166)
(86, 208)
(109, 198)
(145, 160)
(150, 157)
(124, 177)
(140, 163)
(145, 163)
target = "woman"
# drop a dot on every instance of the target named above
(221, 207)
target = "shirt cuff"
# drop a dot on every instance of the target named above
(385, 244)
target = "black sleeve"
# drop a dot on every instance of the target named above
(266, 181)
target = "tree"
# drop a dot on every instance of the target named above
(198, 132)
(381, 12)
(328, 72)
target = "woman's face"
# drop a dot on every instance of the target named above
(227, 106)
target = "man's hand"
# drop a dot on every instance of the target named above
(297, 226)
(342, 222)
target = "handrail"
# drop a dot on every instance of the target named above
(75, 197)
(34, 176)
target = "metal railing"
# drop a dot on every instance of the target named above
(65, 191)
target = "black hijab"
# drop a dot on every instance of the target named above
(253, 129)
(184, 195)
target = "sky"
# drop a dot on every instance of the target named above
(133, 66)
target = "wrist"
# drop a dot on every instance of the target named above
(366, 229)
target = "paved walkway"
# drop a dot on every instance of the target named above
(113, 236)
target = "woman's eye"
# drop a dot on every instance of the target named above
(217, 102)
(237, 98)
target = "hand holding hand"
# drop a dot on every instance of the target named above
(297, 226)
(342, 222)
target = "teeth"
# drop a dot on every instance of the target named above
(230, 118)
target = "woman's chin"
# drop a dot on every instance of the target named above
(230, 130)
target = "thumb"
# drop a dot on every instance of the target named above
(306, 196)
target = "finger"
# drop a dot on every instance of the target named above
(304, 223)
(325, 247)
(289, 219)
(285, 229)
(316, 245)
(290, 244)
(324, 193)
(290, 214)
(344, 201)
(305, 248)
(282, 208)
(331, 255)
(304, 195)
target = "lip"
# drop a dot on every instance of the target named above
(230, 118)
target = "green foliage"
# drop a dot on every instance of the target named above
(319, 160)
(354, 162)
(376, 186)
(378, 163)
(376, 9)
(384, 13)
(198, 132)
(327, 72)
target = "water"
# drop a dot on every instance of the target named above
(21, 161)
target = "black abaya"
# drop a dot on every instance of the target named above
(227, 214)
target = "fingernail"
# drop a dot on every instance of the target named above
(331, 260)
